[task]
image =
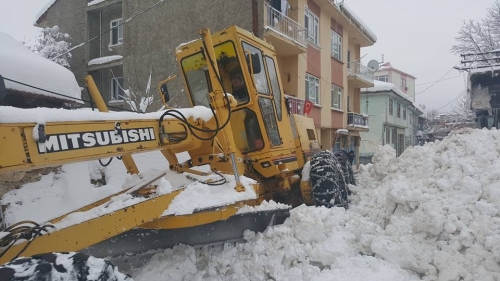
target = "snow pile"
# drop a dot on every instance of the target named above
(20, 64)
(431, 214)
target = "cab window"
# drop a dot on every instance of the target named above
(259, 77)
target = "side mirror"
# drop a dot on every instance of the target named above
(3, 89)
(164, 92)
(163, 89)
(253, 62)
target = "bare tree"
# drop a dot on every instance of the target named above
(479, 36)
(138, 101)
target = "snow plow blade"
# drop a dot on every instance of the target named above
(141, 240)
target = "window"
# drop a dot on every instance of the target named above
(394, 137)
(383, 78)
(312, 25)
(404, 113)
(336, 45)
(390, 107)
(387, 136)
(260, 78)
(403, 84)
(398, 110)
(336, 97)
(312, 88)
(116, 32)
(349, 59)
(117, 88)
(273, 77)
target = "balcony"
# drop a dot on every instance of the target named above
(357, 122)
(286, 35)
(296, 106)
(360, 76)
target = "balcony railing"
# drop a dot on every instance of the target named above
(355, 68)
(357, 120)
(284, 25)
(296, 105)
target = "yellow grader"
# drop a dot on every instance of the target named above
(250, 134)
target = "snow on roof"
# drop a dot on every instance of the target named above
(95, 2)
(104, 60)
(388, 65)
(484, 69)
(43, 11)
(20, 64)
(386, 86)
(363, 25)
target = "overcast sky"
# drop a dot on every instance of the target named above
(415, 36)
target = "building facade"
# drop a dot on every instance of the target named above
(484, 96)
(394, 119)
(318, 44)
(405, 81)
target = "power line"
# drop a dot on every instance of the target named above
(62, 95)
(435, 82)
(109, 30)
(464, 91)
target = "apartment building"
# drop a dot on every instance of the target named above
(394, 119)
(404, 81)
(318, 44)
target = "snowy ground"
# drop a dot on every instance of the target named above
(430, 214)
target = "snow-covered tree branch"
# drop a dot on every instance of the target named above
(138, 101)
(479, 36)
(51, 43)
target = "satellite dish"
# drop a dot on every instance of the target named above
(373, 65)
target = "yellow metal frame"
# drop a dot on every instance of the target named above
(19, 151)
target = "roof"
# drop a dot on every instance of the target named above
(388, 66)
(43, 11)
(20, 64)
(389, 87)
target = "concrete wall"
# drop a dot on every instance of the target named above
(99, 21)
(375, 107)
(150, 40)
(70, 16)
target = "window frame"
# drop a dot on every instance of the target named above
(114, 96)
(314, 79)
(386, 78)
(404, 112)
(311, 19)
(336, 91)
(336, 40)
(391, 106)
(398, 110)
(116, 28)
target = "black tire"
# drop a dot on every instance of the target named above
(328, 185)
(61, 266)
